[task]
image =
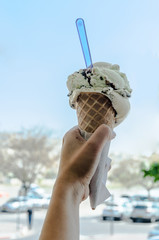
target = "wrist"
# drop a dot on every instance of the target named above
(64, 190)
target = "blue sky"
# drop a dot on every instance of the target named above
(39, 48)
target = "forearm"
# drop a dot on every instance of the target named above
(62, 219)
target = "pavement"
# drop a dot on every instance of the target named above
(127, 237)
(116, 237)
(9, 232)
(14, 226)
(24, 232)
(14, 236)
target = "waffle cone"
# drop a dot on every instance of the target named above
(94, 109)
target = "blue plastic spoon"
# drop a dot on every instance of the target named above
(84, 42)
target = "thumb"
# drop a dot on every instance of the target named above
(98, 139)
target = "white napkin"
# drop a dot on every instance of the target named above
(98, 190)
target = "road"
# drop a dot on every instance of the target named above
(12, 222)
(96, 227)
(90, 226)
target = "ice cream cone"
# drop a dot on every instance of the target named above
(100, 96)
(94, 109)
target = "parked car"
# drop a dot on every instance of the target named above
(153, 238)
(138, 197)
(19, 204)
(46, 201)
(154, 231)
(145, 211)
(34, 188)
(117, 210)
(39, 201)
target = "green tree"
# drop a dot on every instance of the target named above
(153, 171)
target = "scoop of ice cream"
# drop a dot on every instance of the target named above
(106, 79)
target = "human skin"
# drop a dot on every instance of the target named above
(79, 160)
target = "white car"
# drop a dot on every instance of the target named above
(117, 210)
(19, 204)
(154, 231)
(39, 201)
(145, 211)
(46, 201)
(154, 238)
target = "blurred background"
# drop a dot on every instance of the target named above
(39, 48)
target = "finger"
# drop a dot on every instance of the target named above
(102, 135)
